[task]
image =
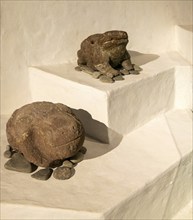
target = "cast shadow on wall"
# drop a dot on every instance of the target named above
(99, 138)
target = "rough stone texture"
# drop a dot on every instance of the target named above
(117, 78)
(20, 164)
(96, 75)
(105, 53)
(7, 154)
(43, 174)
(83, 150)
(68, 164)
(124, 72)
(136, 67)
(135, 72)
(77, 158)
(45, 133)
(106, 79)
(63, 173)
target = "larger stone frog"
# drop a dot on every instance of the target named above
(105, 56)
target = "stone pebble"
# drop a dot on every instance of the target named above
(77, 68)
(130, 67)
(137, 68)
(43, 174)
(20, 164)
(134, 72)
(96, 74)
(118, 78)
(106, 79)
(63, 173)
(83, 150)
(77, 158)
(8, 154)
(124, 72)
(68, 164)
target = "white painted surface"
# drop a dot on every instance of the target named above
(183, 87)
(180, 125)
(164, 83)
(186, 213)
(134, 176)
(184, 41)
(28, 212)
(132, 181)
(182, 131)
(50, 32)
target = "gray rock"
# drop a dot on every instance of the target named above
(78, 68)
(68, 164)
(135, 72)
(129, 67)
(83, 150)
(118, 78)
(106, 79)
(43, 174)
(124, 72)
(136, 67)
(96, 74)
(63, 173)
(77, 158)
(8, 153)
(86, 69)
(20, 164)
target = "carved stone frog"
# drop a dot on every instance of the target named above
(105, 56)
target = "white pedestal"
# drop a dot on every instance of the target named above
(138, 171)
(147, 176)
(111, 110)
(184, 41)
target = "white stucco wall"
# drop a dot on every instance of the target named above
(45, 32)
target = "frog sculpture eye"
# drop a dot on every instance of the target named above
(105, 56)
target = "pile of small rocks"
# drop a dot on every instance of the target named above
(17, 162)
(134, 70)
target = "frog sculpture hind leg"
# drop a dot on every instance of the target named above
(104, 71)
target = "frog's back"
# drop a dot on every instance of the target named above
(89, 50)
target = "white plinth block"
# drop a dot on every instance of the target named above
(111, 110)
(145, 177)
(184, 41)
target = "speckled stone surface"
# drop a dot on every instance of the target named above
(45, 133)
(42, 174)
(20, 164)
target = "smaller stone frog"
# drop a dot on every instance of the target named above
(104, 56)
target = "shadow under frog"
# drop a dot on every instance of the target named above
(105, 56)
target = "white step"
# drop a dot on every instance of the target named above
(186, 213)
(110, 110)
(148, 175)
(184, 41)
